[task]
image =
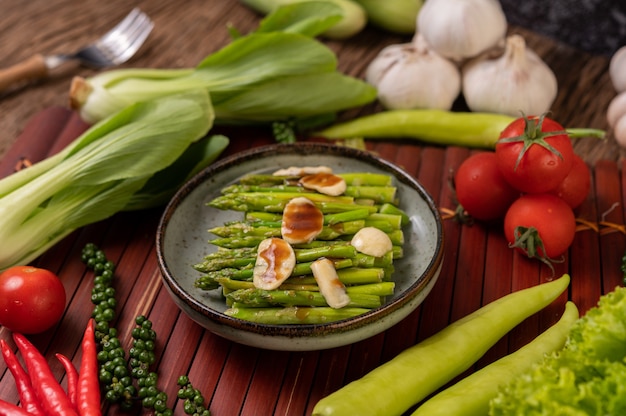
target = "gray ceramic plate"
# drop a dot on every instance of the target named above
(182, 240)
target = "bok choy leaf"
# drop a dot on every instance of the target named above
(101, 172)
(278, 72)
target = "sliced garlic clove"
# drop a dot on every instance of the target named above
(331, 288)
(324, 183)
(301, 171)
(302, 221)
(372, 241)
(274, 263)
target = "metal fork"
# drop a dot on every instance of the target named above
(116, 46)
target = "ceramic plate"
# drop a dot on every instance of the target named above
(182, 240)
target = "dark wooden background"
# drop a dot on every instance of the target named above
(186, 31)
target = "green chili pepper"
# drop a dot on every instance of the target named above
(440, 127)
(471, 395)
(392, 388)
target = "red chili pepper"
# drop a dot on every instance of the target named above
(72, 378)
(53, 399)
(9, 409)
(28, 398)
(88, 381)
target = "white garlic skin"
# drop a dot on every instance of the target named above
(617, 69)
(517, 81)
(411, 76)
(386, 58)
(459, 29)
(616, 109)
(619, 131)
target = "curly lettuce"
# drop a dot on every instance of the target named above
(586, 377)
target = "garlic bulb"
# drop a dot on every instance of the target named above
(411, 75)
(516, 81)
(617, 69)
(386, 58)
(459, 29)
(616, 109)
(619, 131)
(616, 117)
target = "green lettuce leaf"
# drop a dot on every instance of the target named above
(586, 377)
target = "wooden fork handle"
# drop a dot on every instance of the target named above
(29, 69)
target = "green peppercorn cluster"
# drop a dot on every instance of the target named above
(113, 373)
(141, 358)
(284, 131)
(116, 371)
(194, 401)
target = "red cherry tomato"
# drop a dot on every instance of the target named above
(574, 189)
(481, 189)
(534, 154)
(540, 225)
(32, 300)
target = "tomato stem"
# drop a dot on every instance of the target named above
(533, 135)
(528, 241)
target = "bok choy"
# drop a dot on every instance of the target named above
(278, 72)
(109, 168)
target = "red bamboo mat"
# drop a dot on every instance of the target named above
(241, 380)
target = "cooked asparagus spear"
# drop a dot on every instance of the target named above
(294, 314)
(254, 297)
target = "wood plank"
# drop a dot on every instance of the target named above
(238, 380)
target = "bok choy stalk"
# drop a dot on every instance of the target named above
(278, 72)
(396, 16)
(105, 170)
(352, 20)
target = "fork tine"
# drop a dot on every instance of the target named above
(116, 46)
(134, 41)
(123, 25)
(123, 40)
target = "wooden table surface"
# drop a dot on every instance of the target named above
(240, 380)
